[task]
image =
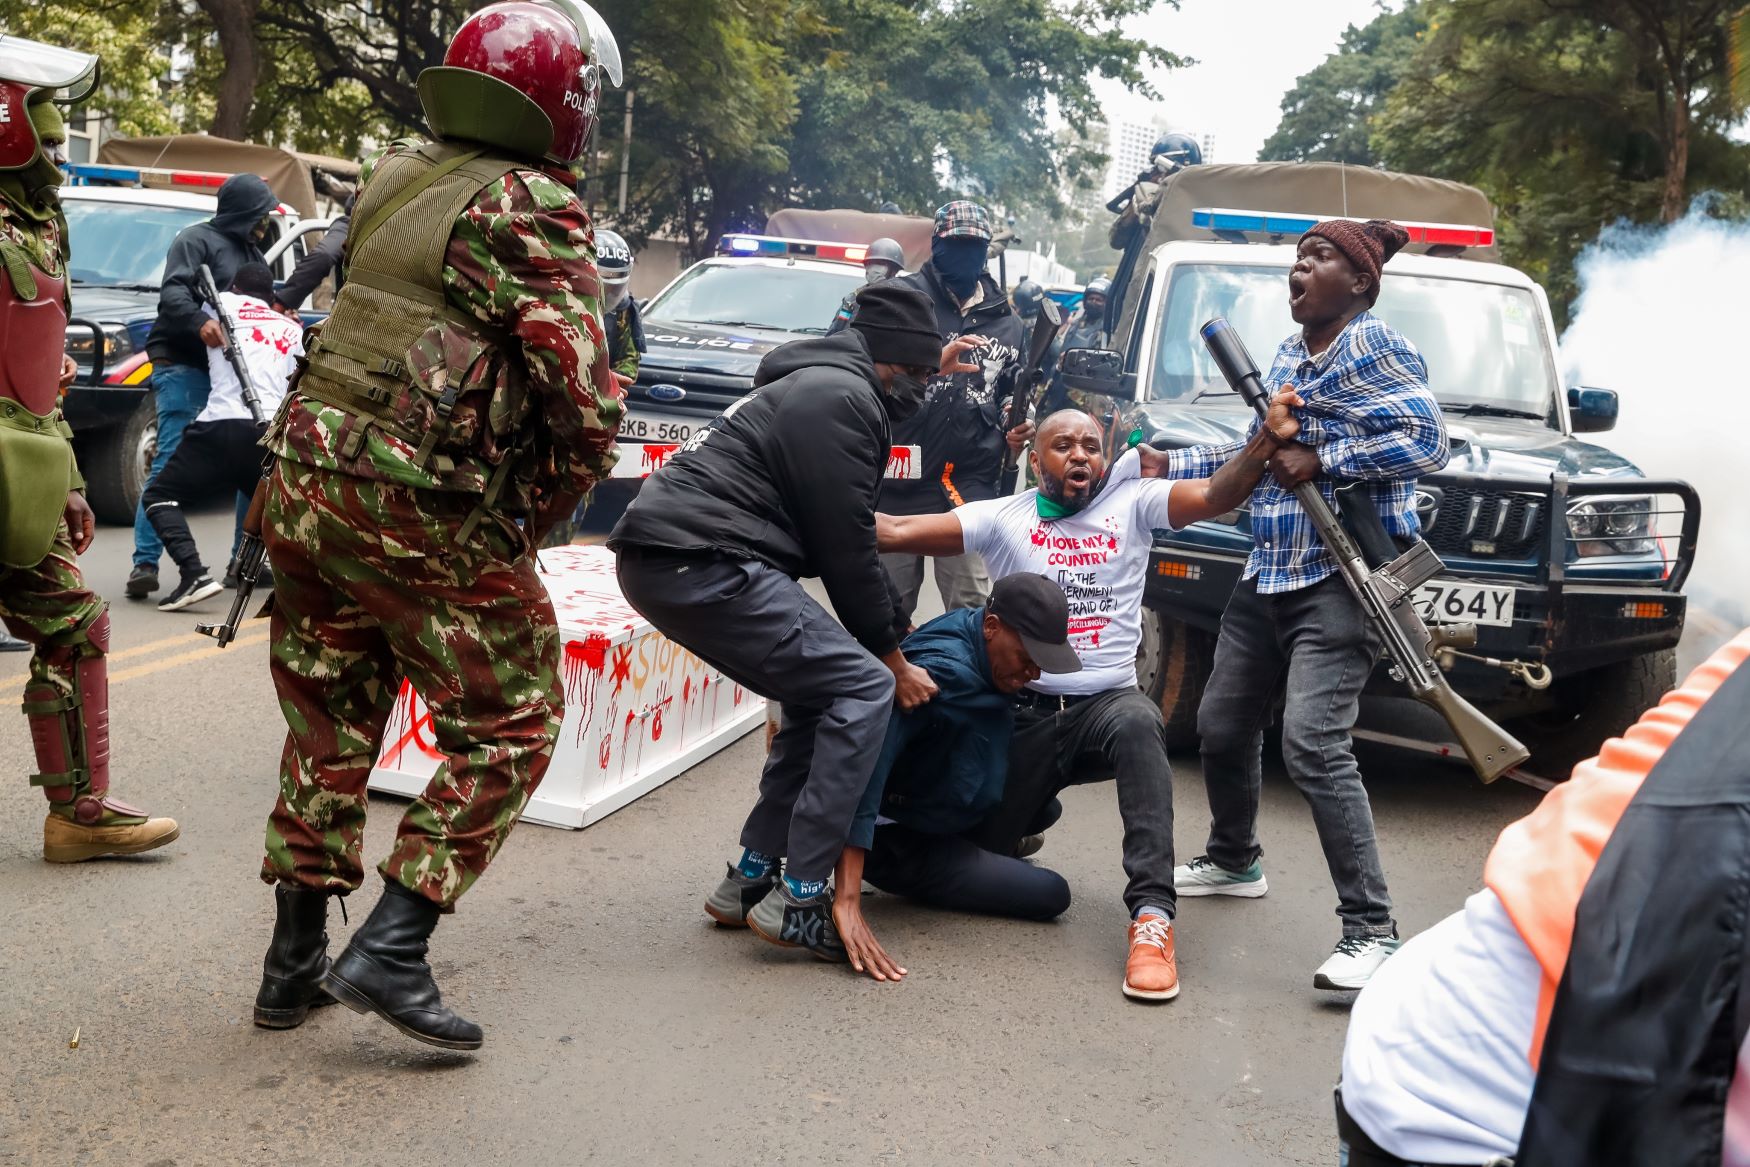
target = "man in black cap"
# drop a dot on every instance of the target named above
(782, 485)
(944, 764)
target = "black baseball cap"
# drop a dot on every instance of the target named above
(1039, 613)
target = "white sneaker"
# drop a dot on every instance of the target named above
(1353, 962)
(1201, 877)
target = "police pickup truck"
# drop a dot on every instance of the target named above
(1570, 563)
(707, 330)
(121, 220)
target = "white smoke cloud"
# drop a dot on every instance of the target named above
(1660, 319)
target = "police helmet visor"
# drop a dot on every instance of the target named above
(38, 66)
(598, 39)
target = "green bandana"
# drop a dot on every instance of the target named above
(1051, 510)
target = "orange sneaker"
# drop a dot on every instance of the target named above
(1152, 971)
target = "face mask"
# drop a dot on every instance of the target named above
(874, 273)
(259, 231)
(905, 396)
(959, 262)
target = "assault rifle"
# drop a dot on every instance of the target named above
(1387, 593)
(1045, 331)
(250, 552)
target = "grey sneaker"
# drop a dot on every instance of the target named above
(1029, 845)
(736, 896)
(1354, 961)
(1201, 877)
(792, 923)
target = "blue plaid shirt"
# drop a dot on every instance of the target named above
(1370, 415)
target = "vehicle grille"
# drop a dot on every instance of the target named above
(1482, 523)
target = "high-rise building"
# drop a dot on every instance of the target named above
(1209, 147)
(1128, 147)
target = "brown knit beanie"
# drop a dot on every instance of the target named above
(1366, 245)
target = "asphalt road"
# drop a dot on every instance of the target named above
(621, 1026)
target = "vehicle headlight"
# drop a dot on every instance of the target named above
(117, 343)
(1611, 525)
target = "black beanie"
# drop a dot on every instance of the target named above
(899, 325)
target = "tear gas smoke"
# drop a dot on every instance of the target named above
(1660, 315)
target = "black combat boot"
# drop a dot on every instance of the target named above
(383, 971)
(297, 959)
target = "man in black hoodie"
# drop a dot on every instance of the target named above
(783, 486)
(182, 334)
(958, 431)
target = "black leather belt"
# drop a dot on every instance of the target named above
(1050, 702)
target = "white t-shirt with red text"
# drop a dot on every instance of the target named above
(1099, 556)
(271, 344)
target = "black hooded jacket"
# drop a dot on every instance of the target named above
(788, 476)
(224, 245)
(960, 423)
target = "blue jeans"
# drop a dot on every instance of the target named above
(180, 392)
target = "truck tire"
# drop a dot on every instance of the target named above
(1173, 666)
(1592, 707)
(116, 462)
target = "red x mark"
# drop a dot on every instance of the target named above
(622, 666)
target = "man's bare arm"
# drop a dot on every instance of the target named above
(919, 534)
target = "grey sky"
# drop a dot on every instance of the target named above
(1249, 54)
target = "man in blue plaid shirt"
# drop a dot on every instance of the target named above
(1369, 415)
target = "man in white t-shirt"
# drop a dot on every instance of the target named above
(220, 447)
(1091, 533)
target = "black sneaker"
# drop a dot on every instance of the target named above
(736, 896)
(192, 590)
(789, 922)
(142, 581)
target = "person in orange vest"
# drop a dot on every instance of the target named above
(1452, 1044)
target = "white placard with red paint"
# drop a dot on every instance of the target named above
(639, 709)
(642, 459)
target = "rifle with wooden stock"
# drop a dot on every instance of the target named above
(1386, 592)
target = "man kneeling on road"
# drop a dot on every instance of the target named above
(1091, 534)
(782, 485)
(943, 765)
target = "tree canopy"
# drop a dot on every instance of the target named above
(740, 106)
(1569, 114)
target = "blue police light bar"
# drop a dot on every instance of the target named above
(89, 172)
(809, 248)
(1229, 222)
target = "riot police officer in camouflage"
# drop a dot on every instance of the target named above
(44, 520)
(456, 404)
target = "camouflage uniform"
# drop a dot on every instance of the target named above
(623, 355)
(43, 597)
(385, 567)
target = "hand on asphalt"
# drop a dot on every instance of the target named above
(866, 953)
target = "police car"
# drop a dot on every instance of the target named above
(707, 330)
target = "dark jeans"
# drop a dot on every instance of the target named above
(758, 627)
(946, 871)
(1114, 735)
(211, 453)
(1318, 638)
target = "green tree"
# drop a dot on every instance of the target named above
(1328, 115)
(918, 102)
(127, 35)
(1570, 116)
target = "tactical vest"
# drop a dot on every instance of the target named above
(363, 358)
(36, 458)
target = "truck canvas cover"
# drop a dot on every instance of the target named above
(1328, 189)
(287, 172)
(911, 232)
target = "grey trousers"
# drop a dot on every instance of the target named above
(1319, 640)
(961, 579)
(759, 628)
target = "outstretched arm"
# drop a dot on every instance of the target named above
(920, 534)
(1198, 499)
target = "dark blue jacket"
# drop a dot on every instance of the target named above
(943, 764)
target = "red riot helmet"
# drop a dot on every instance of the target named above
(524, 75)
(26, 68)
